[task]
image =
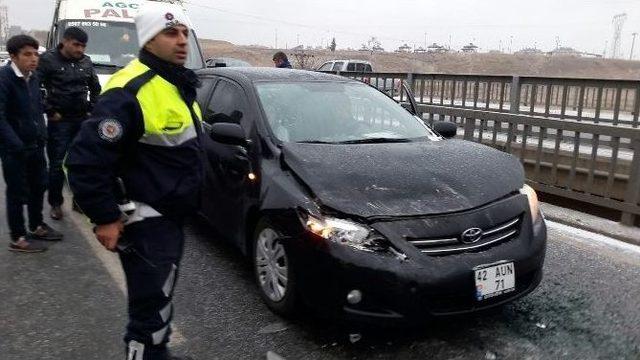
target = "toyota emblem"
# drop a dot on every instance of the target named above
(471, 236)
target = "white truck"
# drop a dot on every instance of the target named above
(113, 40)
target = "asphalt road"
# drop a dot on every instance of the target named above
(587, 307)
(68, 304)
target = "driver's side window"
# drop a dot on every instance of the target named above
(229, 100)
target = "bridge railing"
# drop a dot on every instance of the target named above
(577, 138)
(615, 102)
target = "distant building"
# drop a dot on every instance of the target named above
(404, 49)
(420, 50)
(565, 51)
(529, 51)
(15, 30)
(591, 55)
(470, 48)
(435, 48)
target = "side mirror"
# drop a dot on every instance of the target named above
(228, 133)
(446, 129)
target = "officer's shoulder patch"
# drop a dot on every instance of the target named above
(110, 130)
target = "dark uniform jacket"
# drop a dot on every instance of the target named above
(72, 85)
(117, 141)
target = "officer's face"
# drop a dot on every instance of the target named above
(73, 49)
(171, 45)
(26, 59)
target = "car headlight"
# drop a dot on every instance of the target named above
(533, 202)
(345, 232)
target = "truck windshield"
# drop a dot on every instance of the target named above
(116, 43)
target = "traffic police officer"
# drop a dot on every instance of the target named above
(143, 138)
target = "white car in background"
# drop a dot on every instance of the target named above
(389, 86)
(347, 65)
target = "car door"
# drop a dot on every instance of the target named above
(225, 191)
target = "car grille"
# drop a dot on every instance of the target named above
(454, 245)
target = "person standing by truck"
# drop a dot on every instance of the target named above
(72, 88)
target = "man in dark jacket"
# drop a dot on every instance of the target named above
(22, 139)
(281, 61)
(72, 88)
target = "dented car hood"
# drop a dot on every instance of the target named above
(404, 179)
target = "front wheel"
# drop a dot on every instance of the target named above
(273, 269)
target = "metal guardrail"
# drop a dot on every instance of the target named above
(615, 102)
(584, 147)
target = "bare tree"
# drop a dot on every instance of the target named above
(306, 61)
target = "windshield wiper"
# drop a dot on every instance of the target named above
(315, 142)
(375, 141)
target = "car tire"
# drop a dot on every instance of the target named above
(273, 269)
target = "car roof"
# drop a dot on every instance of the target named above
(350, 60)
(271, 74)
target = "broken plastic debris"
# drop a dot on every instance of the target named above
(354, 338)
(541, 326)
(273, 328)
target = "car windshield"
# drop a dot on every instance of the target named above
(336, 112)
(116, 43)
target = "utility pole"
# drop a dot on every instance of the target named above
(4, 23)
(618, 24)
(633, 44)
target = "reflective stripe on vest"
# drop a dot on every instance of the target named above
(167, 119)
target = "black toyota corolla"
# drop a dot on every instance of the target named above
(355, 207)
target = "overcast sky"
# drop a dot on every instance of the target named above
(583, 24)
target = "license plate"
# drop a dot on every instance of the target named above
(494, 279)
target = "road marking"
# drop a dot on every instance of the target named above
(586, 236)
(111, 263)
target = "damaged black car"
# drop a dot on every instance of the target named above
(347, 202)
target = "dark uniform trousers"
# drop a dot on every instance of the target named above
(159, 240)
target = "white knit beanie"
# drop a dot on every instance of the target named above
(155, 16)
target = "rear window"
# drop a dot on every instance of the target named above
(367, 68)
